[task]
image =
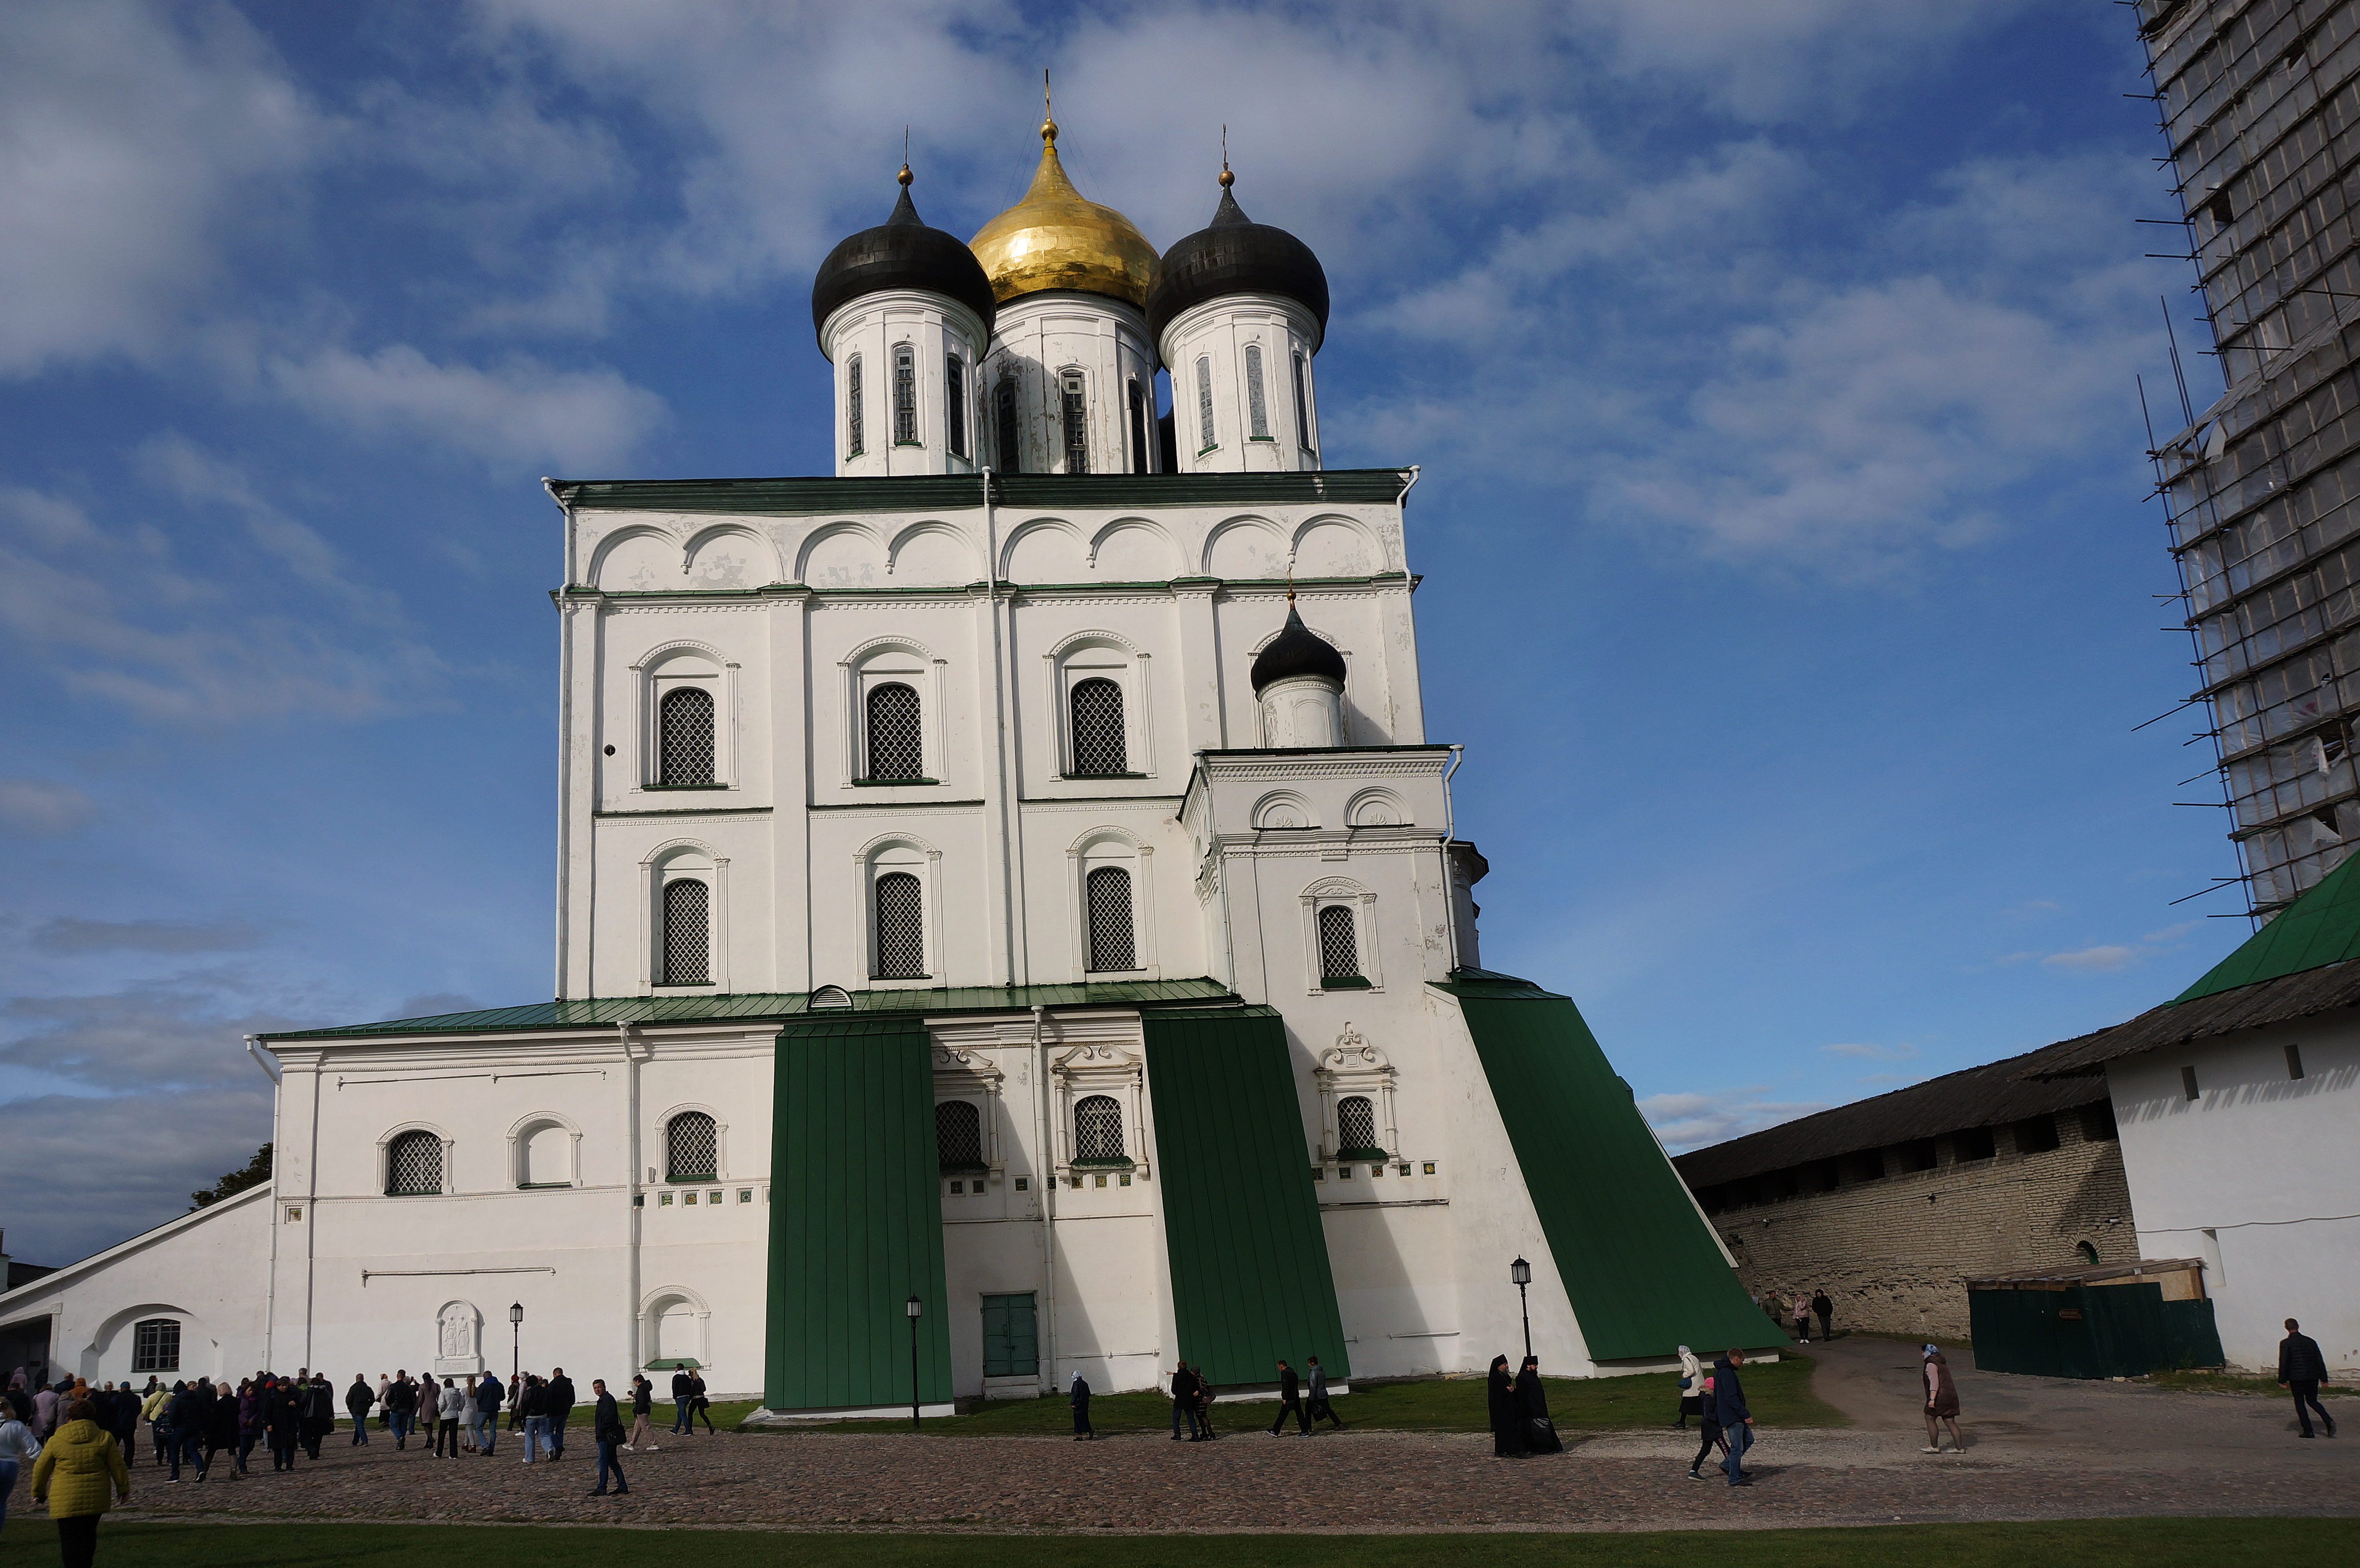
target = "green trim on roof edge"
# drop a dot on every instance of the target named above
(2321, 928)
(827, 495)
(755, 1007)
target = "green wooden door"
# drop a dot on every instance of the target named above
(1011, 1347)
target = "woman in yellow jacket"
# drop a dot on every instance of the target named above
(71, 1476)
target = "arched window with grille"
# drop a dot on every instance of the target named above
(1073, 399)
(955, 402)
(1114, 944)
(1101, 751)
(1004, 418)
(905, 394)
(1097, 1131)
(692, 1147)
(685, 746)
(901, 928)
(1204, 404)
(1340, 945)
(414, 1165)
(854, 425)
(1355, 1129)
(688, 933)
(896, 746)
(958, 1136)
(1257, 400)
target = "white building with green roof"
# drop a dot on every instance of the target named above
(1011, 877)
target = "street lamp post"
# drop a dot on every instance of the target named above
(915, 1309)
(1521, 1273)
(516, 1343)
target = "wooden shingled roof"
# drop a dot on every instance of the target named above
(1990, 1095)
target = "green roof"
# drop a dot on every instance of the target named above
(828, 496)
(759, 1005)
(2322, 927)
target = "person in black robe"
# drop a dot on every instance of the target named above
(1532, 1405)
(1507, 1420)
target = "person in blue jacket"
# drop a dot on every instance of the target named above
(488, 1395)
(1736, 1420)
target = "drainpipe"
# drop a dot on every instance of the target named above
(1045, 1173)
(1450, 836)
(998, 739)
(634, 1194)
(253, 1049)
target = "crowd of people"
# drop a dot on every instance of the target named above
(81, 1440)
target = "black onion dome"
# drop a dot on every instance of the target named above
(1234, 254)
(1296, 651)
(900, 253)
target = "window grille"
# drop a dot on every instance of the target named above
(156, 1345)
(901, 928)
(1098, 743)
(1077, 423)
(687, 928)
(905, 396)
(855, 425)
(958, 1136)
(1113, 944)
(1356, 1128)
(1339, 948)
(685, 752)
(1097, 1131)
(1139, 453)
(413, 1166)
(955, 402)
(1205, 404)
(1011, 439)
(1257, 405)
(692, 1147)
(895, 747)
(1302, 407)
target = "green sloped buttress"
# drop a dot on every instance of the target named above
(856, 1217)
(1250, 1282)
(1644, 1272)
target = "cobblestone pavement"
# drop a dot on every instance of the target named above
(1348, 1481)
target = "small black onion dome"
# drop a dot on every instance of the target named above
(1234, 254)
(1296, 651)
(900, 253)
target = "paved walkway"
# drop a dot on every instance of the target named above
(2038, 1449)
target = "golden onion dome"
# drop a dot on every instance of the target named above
(1057, 238)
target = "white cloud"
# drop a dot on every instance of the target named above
(2102, 960)
(523, 411)
(1693, 1120)
(129, 135)
(42, 809)
(1902, 1052)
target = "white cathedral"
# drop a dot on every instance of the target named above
(1009, 881)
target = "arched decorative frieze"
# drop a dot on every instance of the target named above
(841, 555)
(1332, 545)
(640, 557)
(1248, 547)
(731, 555)
(1282, 809)
(932, 554)
(1376, 807)
(556, 1163)
(1044, 549)
(1134, 549)
(1325, 933)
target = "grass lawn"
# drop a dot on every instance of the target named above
(1779, 1393)
(2098, 1543)
(2228, 1383)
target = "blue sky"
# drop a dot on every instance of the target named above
(1770, 364)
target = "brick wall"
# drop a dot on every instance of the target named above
(1893, 1252)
